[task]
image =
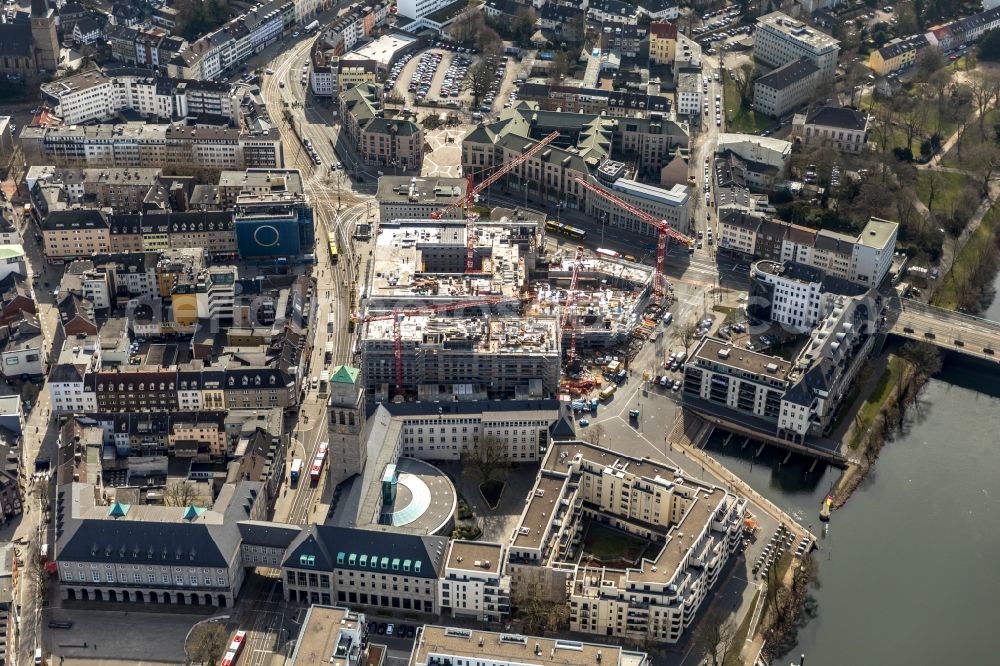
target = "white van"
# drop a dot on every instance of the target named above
(667, 318)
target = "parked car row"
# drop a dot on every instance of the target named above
(395, 71)
(455, 77)
(420, 80)
(500, 68)
(390, 629)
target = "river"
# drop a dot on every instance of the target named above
(908, 569)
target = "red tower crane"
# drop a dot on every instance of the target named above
(664, 228)
(397, 315)
(472, 190)
(570, 302)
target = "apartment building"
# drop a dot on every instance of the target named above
(842, 128)
(786, 88)
(214, 231)
(692, 528)
(732, 377)
(864, 259)
(612, 11)
(395, 573)
(523, 428)
(337, 636)
(222, 51)
(497, 356)
(689, 94)
(780, 39)
(897, 55)
(123, 190)
(72, 382)
(472, 584)
(793, 295)
(402, 197)
(824, 370)
(349, 28)
(102, 95)
(662, 42)
(75, 233)
(394, 142)
(149, 145)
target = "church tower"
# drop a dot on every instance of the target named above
(346, 424)
(43, 34)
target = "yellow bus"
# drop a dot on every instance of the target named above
(332, 239)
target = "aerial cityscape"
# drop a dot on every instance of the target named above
(499, 332)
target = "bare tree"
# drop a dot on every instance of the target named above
(688, 333)
(984, 160)
(481, 78)
(929, 61)
(181, 493)
(593, 434)
(985, 87)
(716, 638)
(207, 642)
(744, 78)
(914, 121)
(486, 455)
(538, 613)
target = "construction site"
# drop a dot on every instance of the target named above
(475, 308)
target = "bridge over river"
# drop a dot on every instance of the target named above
(950, 330)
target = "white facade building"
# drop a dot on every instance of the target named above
(472, 583)
(780, 39)
(672, 205)
(67, 383)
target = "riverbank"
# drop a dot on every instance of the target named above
(966, 286)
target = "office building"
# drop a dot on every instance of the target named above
(472, 584)
(780, 39)
(402, 197)
(672, 205)
(786, 88)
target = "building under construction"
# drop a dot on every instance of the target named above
(433, 330)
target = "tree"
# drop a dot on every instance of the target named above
(985, 86)
(688, 333)
(744, 78)
(929, 61)
(983, 161)
(914, 121)
(716, 638)
(989, 46)
(593, 434)
(207, 642)
(470, 29)
(181, 493)
(560, 67)
(538, 613)
(481, 78)
(923, 356)
(487, 455)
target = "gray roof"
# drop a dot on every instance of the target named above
(837, 116)
(332, 547)
(267, 534)
(787, 75)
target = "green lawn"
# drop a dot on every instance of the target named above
(873, 404)
(961, 278)
(610, 545)
(739, 119)
(949, 187)
(741, 634)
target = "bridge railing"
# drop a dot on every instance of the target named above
(909, 305)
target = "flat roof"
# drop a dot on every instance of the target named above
(721, 352)
(320, 634)
(383, 50)
(877, 233)
(540, 510)
(464, 555)
(427, 190)
(443, 642)
(675, 196)
(798, 31)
